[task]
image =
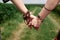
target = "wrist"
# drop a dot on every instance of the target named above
(45, 11)
(27, 15)
(40, 18)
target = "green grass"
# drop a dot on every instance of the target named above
(46, 32)
(10, 17)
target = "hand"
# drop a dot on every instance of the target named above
(35, 22)
(28, 18)
(30, 21)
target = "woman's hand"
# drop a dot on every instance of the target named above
(35, 22)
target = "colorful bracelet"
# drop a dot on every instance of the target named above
(26, 15)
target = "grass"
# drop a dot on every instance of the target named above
(44, 33)
(12, 17)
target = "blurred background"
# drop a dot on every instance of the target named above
(31, 1)
(13, 27)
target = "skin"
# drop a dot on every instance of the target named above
(20, 5)
(50, 4)
(36, 22)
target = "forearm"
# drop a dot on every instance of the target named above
(50, 4)
(20, 5)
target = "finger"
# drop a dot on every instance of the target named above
(30, 26)
(36, 26)
(29, 21)
(25, 22)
